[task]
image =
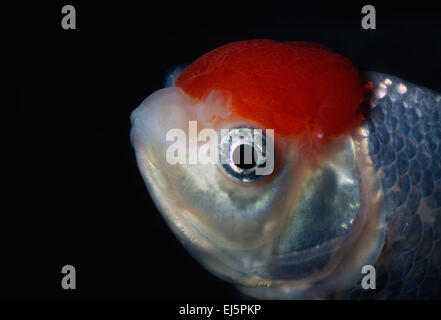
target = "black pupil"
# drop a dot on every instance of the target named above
(244, 157)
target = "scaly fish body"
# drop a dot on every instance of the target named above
(405, 147)
(349, 187)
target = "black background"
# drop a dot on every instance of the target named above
(80, 199)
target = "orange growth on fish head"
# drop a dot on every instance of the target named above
(294, 88)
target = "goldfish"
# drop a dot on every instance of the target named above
(353, 179)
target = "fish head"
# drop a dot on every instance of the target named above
(258, 162)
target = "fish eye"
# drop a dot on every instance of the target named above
(239, 155)
(242, 152)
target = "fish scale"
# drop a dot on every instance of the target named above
(404, 145)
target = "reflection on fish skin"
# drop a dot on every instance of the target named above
(405, 146)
